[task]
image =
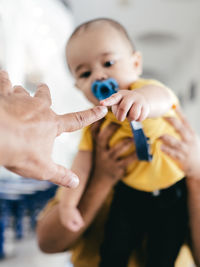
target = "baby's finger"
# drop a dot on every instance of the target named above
(134, 112)
(144, 114)
(123, 108)
(112, 100)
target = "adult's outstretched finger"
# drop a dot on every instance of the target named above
(74, 121)
(5, 84)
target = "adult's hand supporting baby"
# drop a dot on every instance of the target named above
(28, 128)
(52, 235)
(110, 157)
(187, 153)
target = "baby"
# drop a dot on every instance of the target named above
(150, 200)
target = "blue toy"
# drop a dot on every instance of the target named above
(104, 89)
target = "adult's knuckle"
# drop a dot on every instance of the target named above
(80, 119)
(4, 82)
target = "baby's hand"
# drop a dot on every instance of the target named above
(71, 218)
(130, 104)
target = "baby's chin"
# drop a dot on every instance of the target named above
(94, 101)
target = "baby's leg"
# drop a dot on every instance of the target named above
(167, 227)
(123, 228)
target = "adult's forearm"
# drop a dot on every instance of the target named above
(94, 197)
(53, 236)
(193, 185)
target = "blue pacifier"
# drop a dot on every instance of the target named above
(104, 89)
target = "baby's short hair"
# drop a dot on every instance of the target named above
(86, 25)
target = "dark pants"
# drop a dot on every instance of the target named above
(162, 219)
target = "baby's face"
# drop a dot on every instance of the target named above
(99, 53)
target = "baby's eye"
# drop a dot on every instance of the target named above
(109, 63)
(85, 74)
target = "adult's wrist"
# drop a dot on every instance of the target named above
(104, 179)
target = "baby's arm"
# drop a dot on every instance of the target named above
(146, 102)
(69, 214)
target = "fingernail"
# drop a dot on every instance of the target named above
(74, 182)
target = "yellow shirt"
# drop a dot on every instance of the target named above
(85, 252)
(162, 171)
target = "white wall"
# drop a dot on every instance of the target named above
(33, 37)
(168, 34)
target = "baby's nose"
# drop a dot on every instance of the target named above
(100, 76)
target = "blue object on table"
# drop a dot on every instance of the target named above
(104, 89)
(20, 197)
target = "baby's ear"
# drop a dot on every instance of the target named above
(137, 62)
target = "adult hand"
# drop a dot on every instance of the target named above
(106, 158)
(185, 151)
(28, 129)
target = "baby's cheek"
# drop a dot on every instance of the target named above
(92, 98)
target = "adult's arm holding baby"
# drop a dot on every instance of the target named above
(186, 152)
(52, 235)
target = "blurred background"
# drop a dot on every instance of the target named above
(33, 34)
